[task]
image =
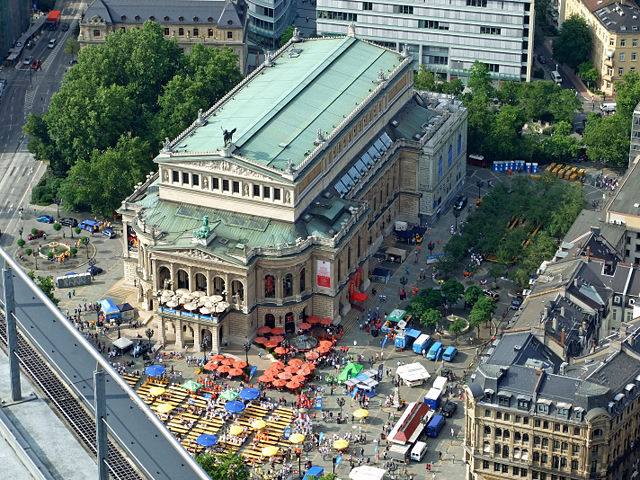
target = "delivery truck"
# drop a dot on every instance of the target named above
(435, 425)
(433, 398)
(53, 20)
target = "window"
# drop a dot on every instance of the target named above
(345, 16)
(266, 192)
(215, 183)
(287, 285)
(611, 42)
(499, 415)
(564, 446)
(545, 442)
(523, 404)
(623, 43)
(367, 6)
(634, 57)
(225, 185)
(543, 408)
(574, 464)
(544, 458)
(276, 194)
(545, 425)
(433, 24)
(230, 35)
(256, 190)
(96, 33)
(236, 186)
(525, 420)
(507, 417)
(622, 57)
(476, 3)
(175, 176)
(536, 456)
(536, 440)
(440, 168)
(450, 156)
(493, 67)
(459, 144)
(196, 32)
(405, 9)
(485, 464)
(597, 433)
(210, 32)
(575, 449)
(487, 430)
(490, 30)
(195, 180)
(185, 177)
(166, 32)
(181, 31)
(487, 413)
(556, 427)
(536, 423)
(634, 42)
(496, 467)
(303, 284)
(269, 286)
(620, 71)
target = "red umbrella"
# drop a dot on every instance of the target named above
(304, 326)
(325, 343)
(285, 375)
(217, 358)
(307, 365)
(322, 350)
(292, 369)
(293, 385)
(224, 368)
(271, 344)
(295, 361)
(300, 378)
(211, 366)
(277, 364)
(239, 364)
(263, 330)
(279, 382)
(312, 319)
(265, 378)
(277, 331)
(312, 355)
(326, 321)
(261, 340)
(227, 361)
(281, 350)
(277, 339)
(234, 372)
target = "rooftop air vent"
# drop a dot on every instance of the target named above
(517, 347)
(394, 123)
(223, 241)
(327, 194)
(332, 232)
(240, 246)
(306, 218)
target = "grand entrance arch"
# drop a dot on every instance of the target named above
(269, 320)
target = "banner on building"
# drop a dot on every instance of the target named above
(324, 273)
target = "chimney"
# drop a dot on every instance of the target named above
(588, 253)
(562, 311)
(564, 333)
(546, 312)
(554, 323)
(575, 282)
(631, 340)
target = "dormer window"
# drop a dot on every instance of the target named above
(210, 19)
(181, 18)
(152, 18)
(166, 19)
(504, 399)
(543, 406)
(123, 18)
(523, 402)
(195, 19)
(137, 18)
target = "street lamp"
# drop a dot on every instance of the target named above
(149, 333)
(456, 213)
(333, 464)
(247, 347)
(340, 402)
(118, 322)
(21, 231)
(204, 344)
(285, 344)
(479, 184)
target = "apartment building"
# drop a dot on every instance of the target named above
(615, 29)
(446, 36)
(268, 19)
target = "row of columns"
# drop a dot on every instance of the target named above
(278, 280)
(179, 323)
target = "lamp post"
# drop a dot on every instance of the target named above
(479, 184)
(340, 402)
(204, 343)
(403, 282)
(285, 344)
(247, 347)
(333, 465)
(118, 322)
(21, 231)
(456, 213)
(57, 201)
(149, 333)
(299, 462)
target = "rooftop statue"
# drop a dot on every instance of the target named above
(204, 230)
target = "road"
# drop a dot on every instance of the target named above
(28, 91)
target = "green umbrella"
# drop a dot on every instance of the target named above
(229, 395)
(191, 385)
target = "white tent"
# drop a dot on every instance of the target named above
(413, 374)
(122, 343)
(365, 472)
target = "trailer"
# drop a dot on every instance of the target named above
(433, 398)
(405, 338)
(53, 20)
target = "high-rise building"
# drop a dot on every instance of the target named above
(446, 36)
(14, 19)
(268, 19)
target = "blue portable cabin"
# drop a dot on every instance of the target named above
(435, 425)
(405, 338)
(109, 309)
(313, 473)
(90, 225)
(435, 351)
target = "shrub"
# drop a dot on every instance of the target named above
(49, 255)
(45, 191)
(34, 231)
(77, 230)
(73, 251)
(28, 252)
(21, 242)
(57, 227)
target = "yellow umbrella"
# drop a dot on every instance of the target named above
(258, 424)
(269, 451)
(155, 391)
(164, 408)
(235, 430)
(340, 444)
(296, 438)
(361, 413)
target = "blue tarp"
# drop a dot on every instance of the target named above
(109, 308)
(316, 472)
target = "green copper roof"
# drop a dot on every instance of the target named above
(277, 113)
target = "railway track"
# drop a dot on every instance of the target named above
(67, 405)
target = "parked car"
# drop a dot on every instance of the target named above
(68, 222)
(27, 60)
(93, 270)
(516, 302)
(460, 202)
(52, 43)
(45, 219)
(492, 295)
(38, 234)
(64, 27)
(107, 232)
(36, 64)
(449, 409)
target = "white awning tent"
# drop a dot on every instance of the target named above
(365, 472)
(413, 373)
(122, 343)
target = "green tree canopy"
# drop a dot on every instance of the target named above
(72, 47)
(287, 34)
(45, 284)
(588, 73)
(223, 467)
(452, 290)
(472, 294)
(457, 327)
(428, 298)
(607, 139)
(430, 318)
(574, 44)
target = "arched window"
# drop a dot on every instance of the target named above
(303, 282)
(459, 144)
(498, 432)
(269, 286)
(505, 451)
(269, 320)
(525, 437)
(287, 285)
(450, 156)
(440, 168)
(506, 434)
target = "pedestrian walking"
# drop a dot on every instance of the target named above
(433, 476)
(453, 433)
(453, 459)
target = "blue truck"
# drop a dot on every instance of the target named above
(405, 338)
(433, 398)
(435, 425)
(435, 351)
(450, 353)
(422, 343)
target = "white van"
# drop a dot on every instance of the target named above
(608, 107)
(418, 451)
(556, 77)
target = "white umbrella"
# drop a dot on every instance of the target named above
(172, 304)
(198, 293)
(166, 293)
(182, 291)
(215, 298)
(205, 311)
(223, 304)
(366, 472)
(208, 304)
(219, 308)
(190, 306)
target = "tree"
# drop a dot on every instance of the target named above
(28, 252)
(628, 96)
(72, 47)
(431, 318)
(472, 294)
(21, 242)
(423, 79)
(457, 327)
(34, 231)
(223, 467)
(77, 230)
(57, 227)
(480, 81)
(607, 139)
(452, 290)
(481, 312)
(497, 270)
(287, 34)
(73, 251)
(574, 44)
(561, 145)
(588, 73)
(45, 284)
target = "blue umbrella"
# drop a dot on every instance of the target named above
(249, 393)
(155, 370)
(234, 406)
(207, 440)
